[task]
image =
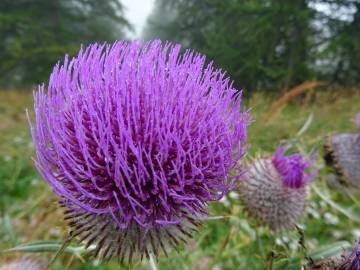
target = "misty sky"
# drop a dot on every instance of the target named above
(137, 11)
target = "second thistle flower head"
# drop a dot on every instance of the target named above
(273, 191)
(136, 139)
(342, 154)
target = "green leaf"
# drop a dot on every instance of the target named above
(329, 250)
(8, 229)
(49, 246)
(306, 125)
(336, 206)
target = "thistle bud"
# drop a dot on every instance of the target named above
(274, 190)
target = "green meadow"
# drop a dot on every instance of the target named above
(31, 221)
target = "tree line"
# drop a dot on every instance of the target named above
(35, 34)
(263, 44)
(267, 44)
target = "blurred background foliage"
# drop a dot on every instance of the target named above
(267, 44)
(35, 34)
(263, 44)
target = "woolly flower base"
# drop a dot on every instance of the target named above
(136, 139)
(268, 200)
(105, 239)
(342, 153)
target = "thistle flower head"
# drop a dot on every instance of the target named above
(351, 261)
(342, 261)
(273, 191)
(342, 154)
(136, 139)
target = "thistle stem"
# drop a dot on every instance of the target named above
(60, 251)
(152, 262)
(259, 243)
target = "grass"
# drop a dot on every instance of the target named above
(28, 211)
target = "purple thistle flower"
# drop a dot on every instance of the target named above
(342, 261)
(274, 190)
(292, 168)
(136, 139)
(351, 261)
(342, 154)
